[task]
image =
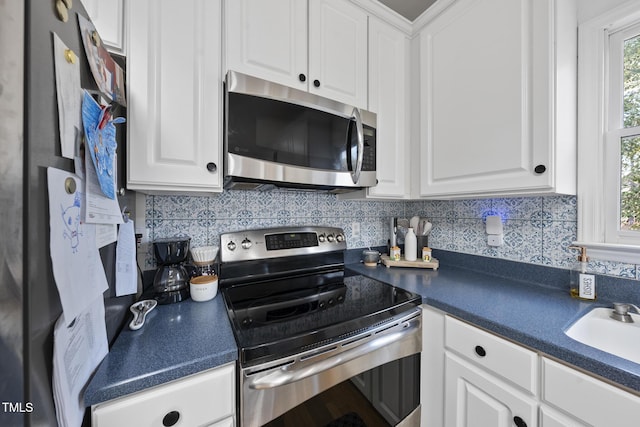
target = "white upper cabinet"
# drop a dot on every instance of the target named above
(498, 99)
(108, 18)
(174, 96)
(319, 46)
(338, 51)
(388, 98)
(268, 39)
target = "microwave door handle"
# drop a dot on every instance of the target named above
(355, 175)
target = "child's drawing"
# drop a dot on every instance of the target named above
(71, 219)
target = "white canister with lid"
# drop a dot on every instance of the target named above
(203, 288)
(410, 246)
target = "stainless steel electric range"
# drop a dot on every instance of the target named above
(302, 325)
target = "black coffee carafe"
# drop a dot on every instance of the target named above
(171, 281)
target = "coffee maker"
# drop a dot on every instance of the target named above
(171, 281)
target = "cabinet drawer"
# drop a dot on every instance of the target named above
(197, 400)
(510, 361)
(589, 399)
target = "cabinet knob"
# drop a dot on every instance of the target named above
(316, 83)
(171, 418)
(480, 351)
(212, 167)
(540, 169)
(302, 77)
(519, 422)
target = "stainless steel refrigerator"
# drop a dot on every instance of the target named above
(29, 143)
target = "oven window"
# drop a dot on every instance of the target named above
(380, 397)
(286, 133)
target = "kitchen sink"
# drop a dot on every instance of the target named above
(597, 329)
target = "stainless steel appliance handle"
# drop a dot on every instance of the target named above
(291, 373)
(355, 175)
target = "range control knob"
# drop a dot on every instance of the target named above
(330, 238)
(321, 238)
(340, 238)
(246, 243)
(231, 246)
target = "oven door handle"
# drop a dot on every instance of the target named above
(291, 373)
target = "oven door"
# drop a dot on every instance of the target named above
(276, 389)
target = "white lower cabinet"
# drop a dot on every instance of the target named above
(203, 399)
(475, 398)
(585, 398)
(488, 381)
(552, 418)
(473, 378)
(228, 422)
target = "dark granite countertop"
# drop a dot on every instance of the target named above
(504, 297)
(176, 340)
(532, 315)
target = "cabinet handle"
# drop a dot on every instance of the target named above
(480, 351)
(212, 167)
(171, 418)
(316, 83)
(519, 422)
(302, 77)
(540, 169)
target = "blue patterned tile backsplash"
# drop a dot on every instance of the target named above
(537, 230)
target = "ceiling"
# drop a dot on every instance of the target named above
(410, 9)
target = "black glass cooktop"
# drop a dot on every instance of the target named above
(273, 319)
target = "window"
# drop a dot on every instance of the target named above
(609, 134)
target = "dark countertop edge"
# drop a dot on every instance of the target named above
(556, 344)
(152, 379)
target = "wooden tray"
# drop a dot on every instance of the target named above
(434, 264)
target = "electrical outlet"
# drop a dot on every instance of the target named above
(355, 230)
(495, 240)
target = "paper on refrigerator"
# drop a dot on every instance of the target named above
(126, 266)
(78, 349)
(69, 95)
(77, 267)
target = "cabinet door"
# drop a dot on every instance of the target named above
(174, 96)
(551, 418)
(492, 121)
(473, 398)
(338, 51)
(108, 18)
(268, 39)
(388, 98)
(586, 398)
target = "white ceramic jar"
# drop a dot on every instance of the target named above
(203, 288)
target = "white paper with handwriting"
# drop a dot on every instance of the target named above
(77, 267)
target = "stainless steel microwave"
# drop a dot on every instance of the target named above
(277, 136)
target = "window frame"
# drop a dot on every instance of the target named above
(598, 158)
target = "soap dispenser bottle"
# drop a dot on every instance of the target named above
(582, 285)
